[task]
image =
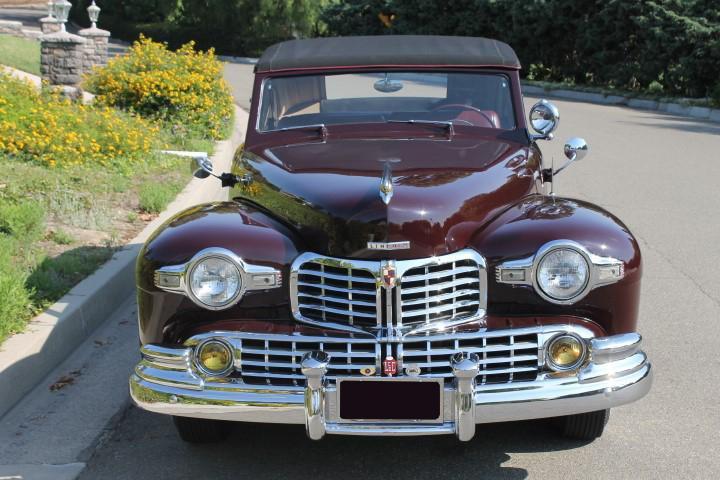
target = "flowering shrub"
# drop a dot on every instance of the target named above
(54, 131)
(183, 89)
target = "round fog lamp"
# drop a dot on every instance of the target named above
(214, 357)
(565, 352)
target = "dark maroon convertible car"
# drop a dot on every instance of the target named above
(393, 260)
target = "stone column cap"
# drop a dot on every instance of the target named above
(49, 20)
(94, 32)
(62, 37)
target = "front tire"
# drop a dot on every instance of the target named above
(199, 430)
(584, 426)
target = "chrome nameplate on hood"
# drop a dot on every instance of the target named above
(388, 245)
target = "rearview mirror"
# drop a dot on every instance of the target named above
(544, 119)
(388, 86)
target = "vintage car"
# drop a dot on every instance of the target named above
(392, 259)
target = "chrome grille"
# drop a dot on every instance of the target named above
(503, 358)
(361, 295)
(441, 292)
(276, 360)
(336, 294)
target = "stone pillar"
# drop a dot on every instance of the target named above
(61, 58)
(96, 47)
(49, 25)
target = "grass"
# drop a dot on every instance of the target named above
(57, 226)
(20, 53)
(78, 181)
(154, 197)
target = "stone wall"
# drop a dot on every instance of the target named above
(17, 29)
(61, 58)
(49, 25)
(11, 28)
(95, 50)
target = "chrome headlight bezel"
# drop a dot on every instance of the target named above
(223, 256)
(542, 254)
(176, 278)
(601, 270)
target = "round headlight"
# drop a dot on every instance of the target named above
(562, 274)
(214, 357)
(215, 282)
(565, 352)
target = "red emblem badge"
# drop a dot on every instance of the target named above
(389, 275)
(390, 366)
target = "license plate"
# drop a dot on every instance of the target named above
(389, 400)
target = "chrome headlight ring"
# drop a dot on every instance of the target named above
(601, 270)
(176, 278)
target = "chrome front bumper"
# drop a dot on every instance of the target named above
(617, 373)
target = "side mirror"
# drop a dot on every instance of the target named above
(544, 119)
(201, 167)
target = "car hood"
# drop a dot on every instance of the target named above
(443, 190)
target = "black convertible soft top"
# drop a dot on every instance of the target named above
(386, 51)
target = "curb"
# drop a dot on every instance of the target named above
(27, 358)
(701, 113)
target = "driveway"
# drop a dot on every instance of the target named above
(657, 172)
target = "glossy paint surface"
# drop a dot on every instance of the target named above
(476, 189)
(443, 189)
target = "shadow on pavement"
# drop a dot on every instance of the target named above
(675, 122)
(146, 446)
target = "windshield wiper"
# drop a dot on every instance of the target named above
(447, 125)
(320, 128)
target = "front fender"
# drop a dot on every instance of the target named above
(521, 230)
(246, 231)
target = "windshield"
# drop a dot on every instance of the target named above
(474, 99)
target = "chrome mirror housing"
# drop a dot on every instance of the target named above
(576, 149)
(201, 167)
(544, 119)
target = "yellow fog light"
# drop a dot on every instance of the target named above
(565, 352)
(214, 357)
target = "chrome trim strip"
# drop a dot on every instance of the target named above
(608, 349)
(602, 270)
(595, 387)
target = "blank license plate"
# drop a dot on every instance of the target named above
(390, 400)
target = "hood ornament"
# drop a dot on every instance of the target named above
(386, 184)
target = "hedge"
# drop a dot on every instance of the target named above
(239, 27)
(667, 47)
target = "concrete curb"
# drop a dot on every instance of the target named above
(27, 358)
(702, 113)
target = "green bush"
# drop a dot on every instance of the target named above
(673, 45)
(184, 89)
(48, 129)
(237, 27)
(23, 220)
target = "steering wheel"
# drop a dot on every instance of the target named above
(464, 107)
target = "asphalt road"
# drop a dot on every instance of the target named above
(657, 172)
